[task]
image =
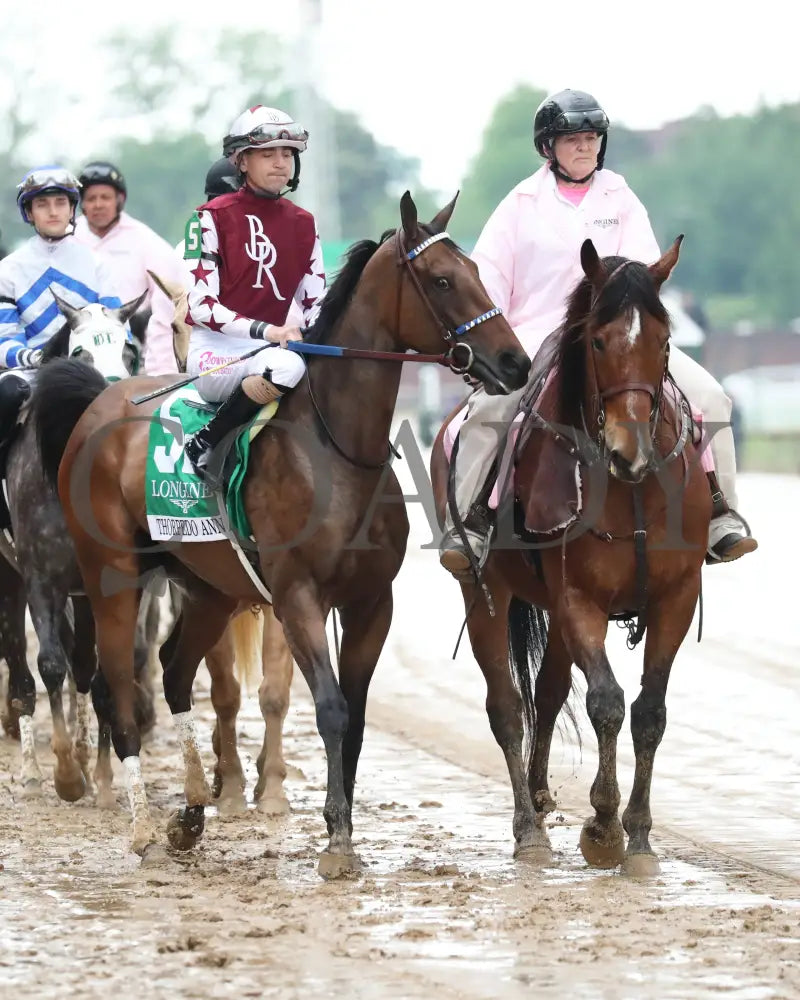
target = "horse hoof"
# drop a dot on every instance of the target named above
(231, 805)
(105, 798)
(31, 789)
(10, 725)
(274, 805)
(538, 855)
(71, 788)
(336, 865)
(185, 828)
(641, 865)
(154, 856)
(602, 847)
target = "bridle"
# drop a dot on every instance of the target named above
(655, 393)
(449, 358)
(450, 334)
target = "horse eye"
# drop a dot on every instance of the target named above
(597, 344)
(442, 283)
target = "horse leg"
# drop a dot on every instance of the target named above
(47, 603)
(273, 697)
(103, 703)
(205, 616)
(84, 667)
(21, 689)
(584, 629)
(489, 638)
(553, 684)
(303, 618)
(229, 780)
(668, 621)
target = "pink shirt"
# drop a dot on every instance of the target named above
(131, 249)
(528, 254)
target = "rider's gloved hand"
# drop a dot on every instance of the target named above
(283, 334)
(29, 357)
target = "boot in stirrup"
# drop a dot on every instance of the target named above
(453, 555)
(729, 534)
(237, 410)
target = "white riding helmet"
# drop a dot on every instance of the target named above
(260, 127)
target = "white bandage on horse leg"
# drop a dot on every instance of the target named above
(30, 766)
(198, 792)
(260, 389)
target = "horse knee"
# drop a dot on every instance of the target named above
(52, 670)
(332, 717)
(273, 697)
(605, 706)
(505, 723)
(648, 720)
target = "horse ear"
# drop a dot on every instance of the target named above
(70, 312)
(592, 267)
(127, 309)
(408, 215)
(662, 268)
(438, 223)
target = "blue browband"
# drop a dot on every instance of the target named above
(465, 327)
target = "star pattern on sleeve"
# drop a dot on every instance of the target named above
(200, 272)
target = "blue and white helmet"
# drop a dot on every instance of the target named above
(46, 180)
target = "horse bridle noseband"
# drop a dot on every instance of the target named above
(449, 333)
(654, 393)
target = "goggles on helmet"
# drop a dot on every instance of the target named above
(595, 120)
(293, 133)
(48, 177)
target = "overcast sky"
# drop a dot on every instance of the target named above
(424, 75)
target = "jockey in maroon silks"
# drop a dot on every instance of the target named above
(254, 254)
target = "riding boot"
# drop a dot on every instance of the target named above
(238, 410)
(477, 526)
(13, 393)
(729, 534)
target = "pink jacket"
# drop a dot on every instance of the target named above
(528, 254)
(131, 249)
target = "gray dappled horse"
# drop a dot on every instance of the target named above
(45, 559)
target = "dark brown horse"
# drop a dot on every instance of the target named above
(606, 400)
(314, 476)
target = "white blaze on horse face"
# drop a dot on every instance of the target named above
(102, 336)
(635, 328)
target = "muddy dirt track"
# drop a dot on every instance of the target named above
(441, 909)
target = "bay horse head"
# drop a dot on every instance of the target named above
(97, 335)
(440, 303)
(615, 345)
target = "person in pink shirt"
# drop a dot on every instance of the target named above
(131, 249)
(528, 255)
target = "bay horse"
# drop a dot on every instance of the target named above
(607, 365)
(326, 509)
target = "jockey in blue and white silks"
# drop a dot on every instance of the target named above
(29, 316)
(28, 313)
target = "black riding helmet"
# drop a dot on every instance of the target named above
(101, 172)
(222, 178)
(565, 112)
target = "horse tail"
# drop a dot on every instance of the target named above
(246, 629)
(527, 641)
(64, 389)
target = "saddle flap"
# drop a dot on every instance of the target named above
(547, 475)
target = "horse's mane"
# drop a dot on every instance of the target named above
(341, 290)
(57, 346)
(632, 288)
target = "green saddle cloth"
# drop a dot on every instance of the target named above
(179, 505)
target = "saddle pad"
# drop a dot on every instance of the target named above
(180, 507)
